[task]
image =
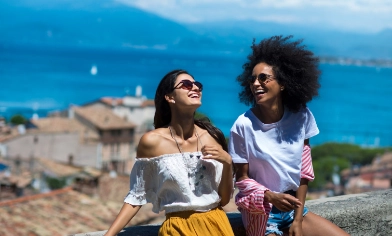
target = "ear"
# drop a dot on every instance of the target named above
(169, 99)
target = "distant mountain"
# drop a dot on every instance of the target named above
(111, 24)
(324, 42)
(88, 23)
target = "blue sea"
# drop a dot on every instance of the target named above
(354, 105)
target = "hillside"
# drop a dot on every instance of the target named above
(110, 24)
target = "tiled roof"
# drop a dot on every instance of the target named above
(148, 103)
(61, 124)
(48, 166)
(60, 212)
(111, 101)
(103, 118)
(386, 159)
(58, 169)
(64, 212)
(20, 181)
(9, 135)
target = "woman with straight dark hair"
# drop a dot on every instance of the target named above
(182, 165)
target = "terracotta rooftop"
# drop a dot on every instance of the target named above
(148, 103)
(9, 135)
(111, 101)
(386, 159)
(58, 169)
(64, 212)
(20, 181)
(60, 212)
(103, 118)
(61, 124)
(50, 167)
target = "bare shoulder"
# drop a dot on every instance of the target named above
(150, 138)
(151, 143)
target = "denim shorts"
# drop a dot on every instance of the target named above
(279, 220)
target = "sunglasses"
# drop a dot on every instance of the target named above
(188, 85)
(262, 78)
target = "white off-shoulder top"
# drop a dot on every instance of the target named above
(175, 182)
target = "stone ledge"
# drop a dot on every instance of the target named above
(358, 214)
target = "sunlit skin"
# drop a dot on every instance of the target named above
(183, 98)
(269, 108)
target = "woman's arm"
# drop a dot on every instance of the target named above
(226, 184)
(302, 190)
(241, 172)
(146, 148)
(125, 215)
(284, 202)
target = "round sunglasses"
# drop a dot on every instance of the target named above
(262, 78)
(188, 85)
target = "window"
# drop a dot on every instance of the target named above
(115, 150)
(116, 132)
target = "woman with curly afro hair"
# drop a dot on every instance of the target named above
(269, 143)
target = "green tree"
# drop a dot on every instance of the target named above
(330, 157)
(18, 120)
(353, 153)
(56, 183)
(324, 168)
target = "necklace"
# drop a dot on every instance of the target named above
(192, 166)
(178, 145)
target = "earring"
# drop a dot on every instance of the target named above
(282, 88)
(173, 101)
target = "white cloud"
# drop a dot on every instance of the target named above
(355, 15)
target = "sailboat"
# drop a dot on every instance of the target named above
(94, 70)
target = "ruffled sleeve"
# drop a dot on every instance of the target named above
(143, 184)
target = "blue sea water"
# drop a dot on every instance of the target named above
(354, 105)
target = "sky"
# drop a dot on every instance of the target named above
(365, 16)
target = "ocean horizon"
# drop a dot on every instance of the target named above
(353, 106)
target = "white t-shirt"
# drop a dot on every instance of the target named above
(273, 151)
(176, 182)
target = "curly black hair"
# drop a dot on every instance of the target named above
(295, 67)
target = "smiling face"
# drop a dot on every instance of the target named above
(186, 93)
(267, 91)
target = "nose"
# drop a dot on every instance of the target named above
(195, 88)
(256, 82)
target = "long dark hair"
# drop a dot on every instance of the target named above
(162, 115)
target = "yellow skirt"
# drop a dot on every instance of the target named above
(213, 222)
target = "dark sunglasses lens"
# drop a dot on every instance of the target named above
(199, 85)
(187, 84)
(262, 77)
(252, 79)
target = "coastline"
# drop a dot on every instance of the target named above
(344, 61)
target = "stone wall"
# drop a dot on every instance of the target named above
(358, 214)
